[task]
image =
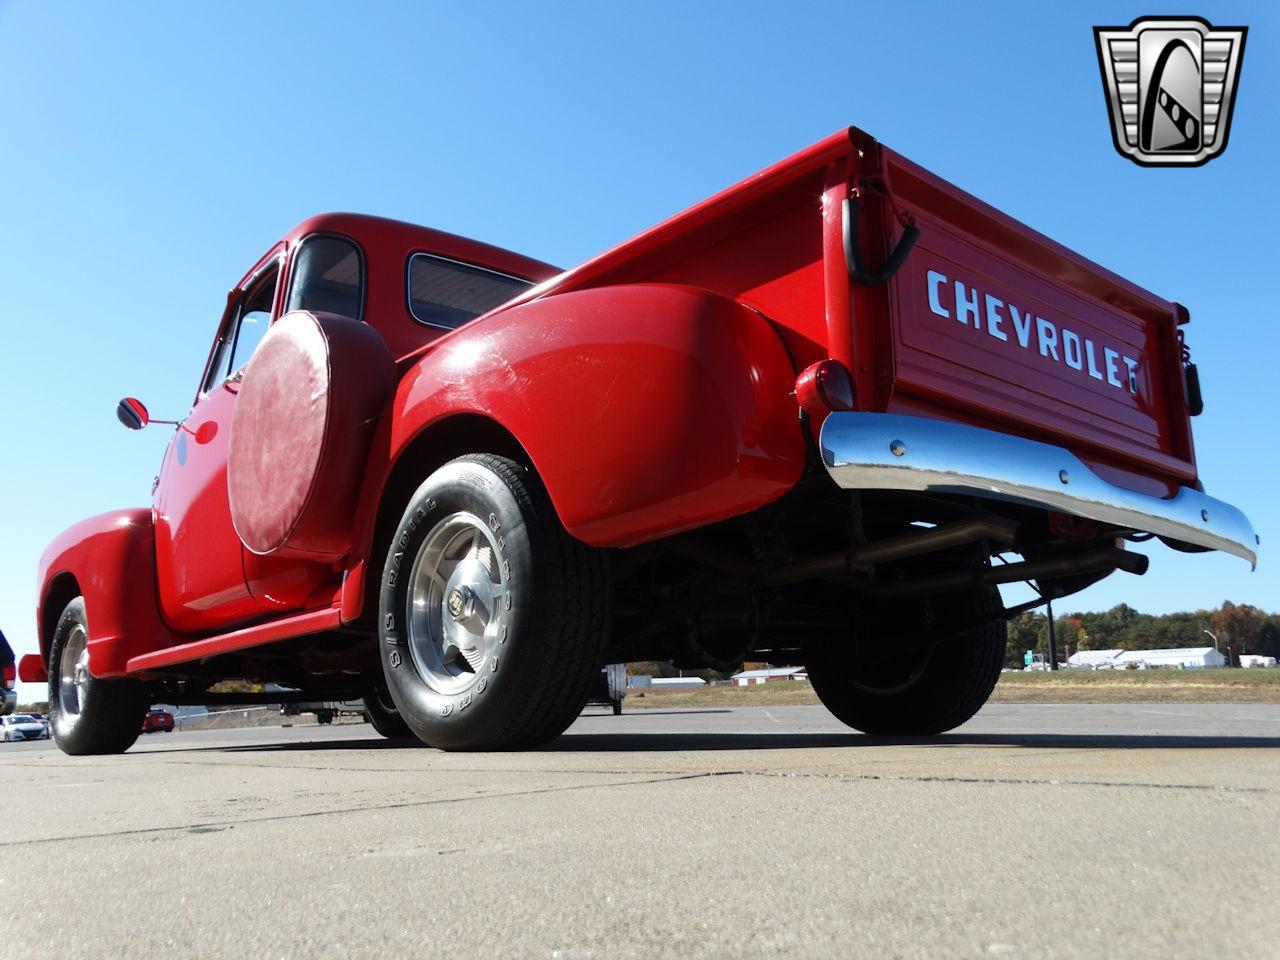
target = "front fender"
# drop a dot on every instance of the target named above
(111, 558)
(646, 409)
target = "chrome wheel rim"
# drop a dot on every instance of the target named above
(458, 603)
(73, 675)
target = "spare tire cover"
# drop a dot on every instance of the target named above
(301, 431)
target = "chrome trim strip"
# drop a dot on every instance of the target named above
(885, 451)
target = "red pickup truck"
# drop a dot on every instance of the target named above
(796, 423)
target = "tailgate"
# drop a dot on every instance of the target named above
(996, 324)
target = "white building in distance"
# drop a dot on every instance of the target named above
(1255, 660)
(1189, 658)
(749, 678)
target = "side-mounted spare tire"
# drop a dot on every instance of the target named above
(304, 420)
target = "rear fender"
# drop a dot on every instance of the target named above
(110, 561)
(645, 409)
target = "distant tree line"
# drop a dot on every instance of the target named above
(1240, 628)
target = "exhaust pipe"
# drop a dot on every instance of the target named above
(1095, 560)
(998, 531)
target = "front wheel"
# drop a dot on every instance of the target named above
(493, 620)
(88, 714)
(912, 669)
(380, 710)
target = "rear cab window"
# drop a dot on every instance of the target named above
(327, 277)
(446, 293)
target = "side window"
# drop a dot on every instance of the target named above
(446, 293)
(255, 317)
(328, 276)
(245, 331)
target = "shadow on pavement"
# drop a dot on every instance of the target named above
(684, 742)
(660, 713)
(657, 742)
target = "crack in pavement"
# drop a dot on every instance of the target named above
(204, 826)
(1023, 781)
(663, 775)
(116, 763)
(649, 777)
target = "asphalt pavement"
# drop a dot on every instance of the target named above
(1074, 830)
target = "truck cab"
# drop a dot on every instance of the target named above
(420, 290)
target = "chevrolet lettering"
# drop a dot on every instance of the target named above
(765, 429)
(1052, 340)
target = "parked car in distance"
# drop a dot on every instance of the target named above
(157, 721)
(22, 726)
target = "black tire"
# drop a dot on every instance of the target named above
(110, 711)
(937, 676)
(551, 606)
(324, 717)
(380, 710)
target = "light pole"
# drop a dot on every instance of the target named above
(1212, 636)
(1053, 640)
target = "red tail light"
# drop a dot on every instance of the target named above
(10, 674)
(825, 386)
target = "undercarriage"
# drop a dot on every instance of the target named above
(762, 587)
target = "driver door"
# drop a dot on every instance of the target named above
(200, 574)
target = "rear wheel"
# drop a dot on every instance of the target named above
(493, 619)
(88, 714)
(913, 668)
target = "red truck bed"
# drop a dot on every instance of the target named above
(1036, 340)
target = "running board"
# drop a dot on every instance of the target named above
(313, 621)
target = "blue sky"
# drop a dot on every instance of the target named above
(149, 153)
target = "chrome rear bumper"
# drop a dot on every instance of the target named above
(885, 451)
